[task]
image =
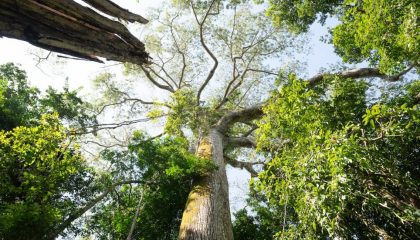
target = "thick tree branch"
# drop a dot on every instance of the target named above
(361, 73)
(69, 28)
(240, 164)
(112, 9)
(246, 142)
(245, 115)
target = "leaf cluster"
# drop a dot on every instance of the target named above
(167, 170)
(382, 32)
(22, 105)
(43, 179)
(345, 168)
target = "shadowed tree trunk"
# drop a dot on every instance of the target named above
(67, 27)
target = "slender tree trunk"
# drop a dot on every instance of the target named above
(207, 214)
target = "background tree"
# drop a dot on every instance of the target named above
(43, 176)
(384, 33)
(167, 170)
(23, 105)
(346, 168)
(43, 179)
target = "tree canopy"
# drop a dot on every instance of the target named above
(332, 156)
(346, 168)
(43, 176)
(384, 33)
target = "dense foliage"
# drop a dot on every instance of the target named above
(18, 101)
(383, 32)
(21, 104)
(166, 170)
(42, 175)
(43, 179)
(346, 168)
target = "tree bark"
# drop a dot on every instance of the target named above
(70, 28)
(207, 213)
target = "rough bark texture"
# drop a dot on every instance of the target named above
(67, 27)
(362, 73)
(207, 213)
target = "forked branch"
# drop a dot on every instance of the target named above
(153, 80)
(243, 116)
(206, 48)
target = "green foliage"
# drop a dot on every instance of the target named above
(18, 102)
(266, 218)
(185, 113)
(43, 179)
(383, 32)
(297, 15)
(345, 170)
(22, 105)
(169, 155)
(167, 170)
(69, 106)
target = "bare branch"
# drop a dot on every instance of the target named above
(178, 49)
(240, 164)
(161, 86)
(203, 44)
(106, 146)
(246, 92)
(78, 213)
(162, 67)
(250, 131)
(162, 78)
(98, 127)
(229, 91)
(134, 221)
(262, 71)
(135, 100)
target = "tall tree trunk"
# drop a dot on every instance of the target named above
(207, 214)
